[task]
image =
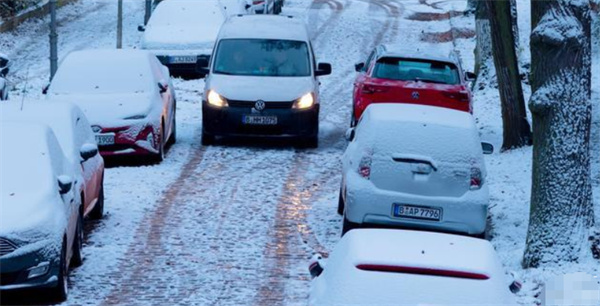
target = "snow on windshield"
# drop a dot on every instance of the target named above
(263, 57)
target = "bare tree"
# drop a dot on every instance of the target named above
(562, 214)
(483, 46)
(516, 129)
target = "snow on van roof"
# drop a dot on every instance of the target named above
(422, 114)
(264, 27)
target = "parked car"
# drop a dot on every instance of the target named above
(394, 74)
(399, 267)
(127, 96)
(415, 166)
(254, 52)
(4, 69)
(181, 31)
(41, 223)
(265, 6)
(75, 136)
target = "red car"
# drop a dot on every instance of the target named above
(392, 74)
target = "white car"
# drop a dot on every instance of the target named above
(415, 166)
(77, 140)
(262, 81)
(127, 96)
(384, 267)
(180, 31)
(41, 220)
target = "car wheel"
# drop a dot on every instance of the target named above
(352, 119)
(341, 204)
(77, 259)
(348, 226)
(311, 142)
(60, 292)
(98, 210)
(173, 137)
(160, 156)
(207, 139)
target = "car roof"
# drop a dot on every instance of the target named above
(264, 27)
(399, 50)
(420, 114)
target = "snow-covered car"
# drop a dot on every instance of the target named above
(401, 267)
(127, 96)
(415, 166)
(4, 69)
(181, 31)
(75, 136)
(41, 219)
(262, 81)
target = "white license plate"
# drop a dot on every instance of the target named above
(260, 120)
(183, 59)
(418, 212)
(105, 140)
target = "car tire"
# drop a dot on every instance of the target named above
(311, 142)
(60, 292)
(341, 204)
(160, 156)
(173, 138)
(348, 226)
(77, 259)
(353, 119)
(98, 211)
(207, 139)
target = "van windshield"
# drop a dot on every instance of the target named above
(262, 57)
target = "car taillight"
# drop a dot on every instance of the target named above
(476, 178)
(422, 271)
(462, 96)
(371, 89)
(256, 2)
(364, 167)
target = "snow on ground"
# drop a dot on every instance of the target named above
(236, 224)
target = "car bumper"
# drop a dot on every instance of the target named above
(228, 121)
(16, 270)
(367, 204)
(132, 140)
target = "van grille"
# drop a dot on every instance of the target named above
(6, 246)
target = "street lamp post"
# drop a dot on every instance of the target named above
(120, 25)
(53, 40)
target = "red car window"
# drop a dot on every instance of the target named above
(393, 68)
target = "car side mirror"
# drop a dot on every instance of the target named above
(4, 71)
(487, 148)
(65, 183)
(323, 69)
(470, 76)
(349, 134)
(163, 86)
(247, 6)
(359, 67)
(203, 65)
(316, 266)
(141, 28)
(88, 151)
(45, 89)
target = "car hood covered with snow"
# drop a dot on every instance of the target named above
(252, 88)
(111, 110)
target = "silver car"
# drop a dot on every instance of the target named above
(415, 166)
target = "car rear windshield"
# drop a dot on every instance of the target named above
(262, 57)
(401, 69)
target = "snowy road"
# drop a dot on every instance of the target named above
(233, 224)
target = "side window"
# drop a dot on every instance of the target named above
(369, 61)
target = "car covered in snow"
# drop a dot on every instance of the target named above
(75, 136)
(400, 267)
(393, 73)
(262, 80)
(127, 95)
(4, 69)
(415, 166)
(181, 31)
(41, 217)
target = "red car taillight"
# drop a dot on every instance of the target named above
(371, 89)
(256, 2)
(364, 167)
(462, 96)
(476, 178)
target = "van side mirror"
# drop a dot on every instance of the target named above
(316, 266)
(470, 76)
(359, 67)
(88, 151)
(65, 183)
(487, 148)
(141, 28)
(323, 69)
(203, 65)
(349, 134)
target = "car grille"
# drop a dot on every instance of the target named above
(268, 105)
(6, 246)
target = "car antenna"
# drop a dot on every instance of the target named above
(24, 92)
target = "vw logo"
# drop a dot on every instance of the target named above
(260, 105)
(415, 95)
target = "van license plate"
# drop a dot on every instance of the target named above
(260, 120)
(418, 212)
(183, 59)
(105, 140)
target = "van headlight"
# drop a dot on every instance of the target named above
(306, 101)
(216, 99)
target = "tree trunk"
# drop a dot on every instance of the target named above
(517, 132)
(562, 214)
(483, 47)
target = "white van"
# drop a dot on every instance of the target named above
(262, 81)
